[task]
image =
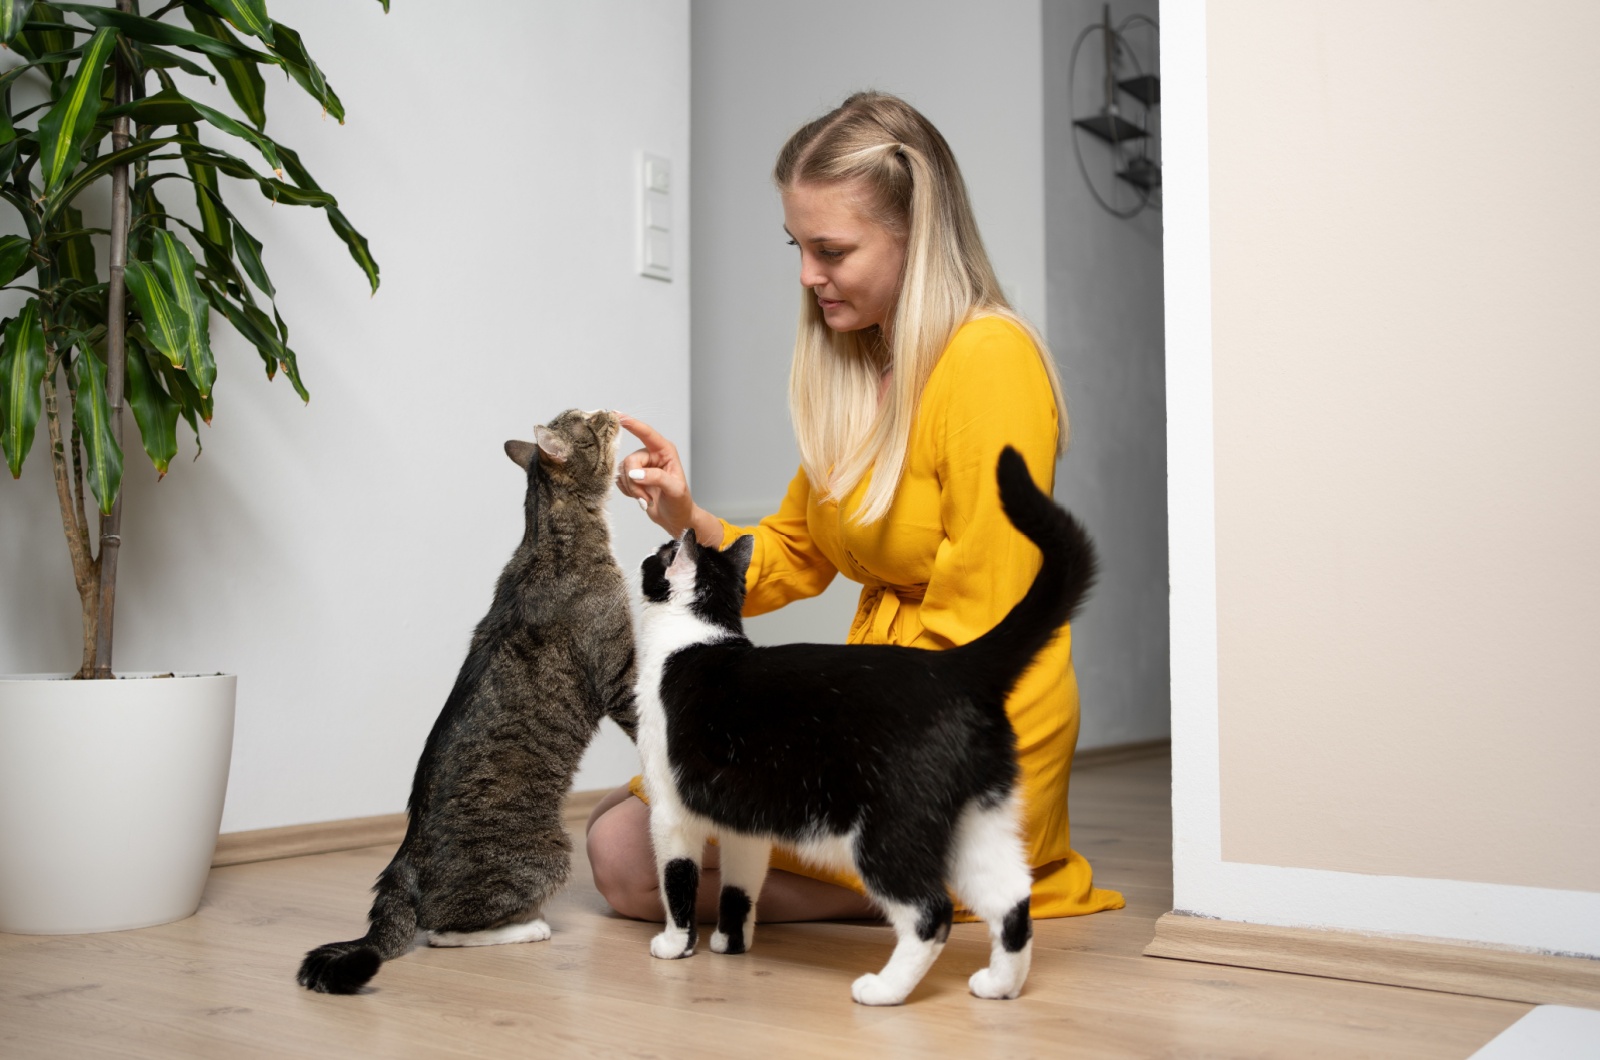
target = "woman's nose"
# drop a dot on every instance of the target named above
(810, 275)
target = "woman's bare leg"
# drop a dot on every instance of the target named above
(625, 872)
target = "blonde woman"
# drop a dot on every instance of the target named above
(910, 373)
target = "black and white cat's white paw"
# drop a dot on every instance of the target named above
(1000, 984)
(535, 930)
(876, 989)
(672, 944)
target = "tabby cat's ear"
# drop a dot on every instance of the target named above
(552, 445)
(521, 453)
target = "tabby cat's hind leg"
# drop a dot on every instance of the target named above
(535, 930)
(989, 873)
(744, 869)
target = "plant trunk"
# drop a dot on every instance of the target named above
(116, 354)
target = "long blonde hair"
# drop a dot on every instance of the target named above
(911, 185)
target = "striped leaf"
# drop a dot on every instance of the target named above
(15, 258)
(163, 108)
(207, 196)
(385, 4)
(37, 40)
(242, 76)
(357, 244)
(22, 368)
(166, 327)
(102, 456)
(299, 65)
(248, 16)
(13, 16)
(268, 149)
(153, 410)
(176, 267)
(72, 248)
(149, 31)
(249, 251)
(102, 165)
(64, 129)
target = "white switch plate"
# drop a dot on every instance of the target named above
(655, 217)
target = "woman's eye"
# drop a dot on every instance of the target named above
(831, 255)
(792, 243)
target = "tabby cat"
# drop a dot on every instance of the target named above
(484, 847)
(895, 762)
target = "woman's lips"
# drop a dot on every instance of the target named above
(828, 303)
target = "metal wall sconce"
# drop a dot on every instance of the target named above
(1131, 139)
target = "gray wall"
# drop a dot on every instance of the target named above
(1093, 283)
(1106, 330)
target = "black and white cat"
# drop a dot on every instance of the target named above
(896, 762)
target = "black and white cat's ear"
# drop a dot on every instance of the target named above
(554, 447)
(741, 551)
(684, 560)
(521, 453)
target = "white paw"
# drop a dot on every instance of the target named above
(719, 942)
(985, 983)
(537, 931)
(871, 989)
(670, 945)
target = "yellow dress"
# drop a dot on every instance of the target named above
(944, 566)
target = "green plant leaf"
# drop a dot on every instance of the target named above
(13, 16)
(191, 406)
(249, 16)
(242, 76)
(22, 368)
(73, 249)
(268, 149)
(166, 327)
(15, 258)
(153, 409)
(163, 108)
(102, 165)
(276, 190)
(102, 456)
(248, 248)
(149, 31)
(64, 129)
(45, 45)
(357, 244)
(176, 266)
(161, 59)
(385, 4)
(299, 65)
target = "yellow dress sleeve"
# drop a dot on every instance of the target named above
(787, 564)
(993, 393)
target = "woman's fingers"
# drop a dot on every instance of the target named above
(653, 441)
(657, 480)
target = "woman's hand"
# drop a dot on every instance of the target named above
(654, 477)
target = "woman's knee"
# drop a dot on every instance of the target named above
(622, 862)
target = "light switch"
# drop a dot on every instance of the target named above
(655, 217)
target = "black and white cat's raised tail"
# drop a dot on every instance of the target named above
(895, 762)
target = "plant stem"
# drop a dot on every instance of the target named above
(84, 568)
(116, 354)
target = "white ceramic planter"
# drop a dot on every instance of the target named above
(110, 799)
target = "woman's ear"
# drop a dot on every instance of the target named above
(552, 445)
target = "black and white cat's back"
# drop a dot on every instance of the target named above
(485, 846)
(895, 762)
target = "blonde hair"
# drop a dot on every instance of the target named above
(910, 184)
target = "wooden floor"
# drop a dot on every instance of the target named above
(221, 984)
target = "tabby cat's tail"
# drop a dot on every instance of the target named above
(345, 967)
(1064, 579)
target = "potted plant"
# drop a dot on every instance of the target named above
(111, 790)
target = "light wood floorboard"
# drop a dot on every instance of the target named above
(220, 984)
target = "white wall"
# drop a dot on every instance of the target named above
(1105, 297)
(336, 556)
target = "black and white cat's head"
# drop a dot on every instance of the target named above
(683, 577)
(576, 449)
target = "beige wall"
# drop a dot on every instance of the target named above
(1405, 238)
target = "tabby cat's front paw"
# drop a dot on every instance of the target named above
(672, 944)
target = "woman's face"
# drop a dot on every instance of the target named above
(849, 261)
